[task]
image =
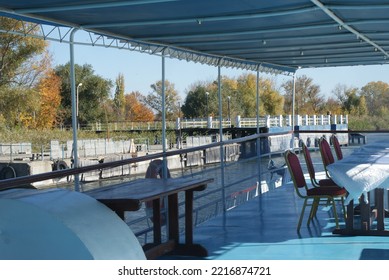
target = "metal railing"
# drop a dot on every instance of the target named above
(239, 175)
(234, 164)
(214, 122)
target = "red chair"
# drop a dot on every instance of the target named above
(312, 196)
(311, 170)
(326, 154)
(338, 150)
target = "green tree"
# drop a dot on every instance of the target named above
(240, 94)
(20, 64)
(377, 97)
(194, 106)
(351, 100)
(18, 105)
(247, 91)
(271, 101)
(23, 60)
(93, 104)
(154, 99)
(308, 99)
(119, 100)
(197, 100)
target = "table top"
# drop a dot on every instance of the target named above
(363, 170)
(148, 189)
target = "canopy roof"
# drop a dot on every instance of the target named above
(282, 35)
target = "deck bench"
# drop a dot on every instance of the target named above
(357, 136)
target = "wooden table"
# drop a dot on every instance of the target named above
(129, 196)
(364, 173)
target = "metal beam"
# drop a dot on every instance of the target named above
(201, 20)
(104, 5)
(359, 35)
(363, 7)
(220, 34)
(339, 48)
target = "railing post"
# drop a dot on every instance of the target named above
(289, 120)
(238, 121)
(314, 119)
(267, 121)
(297, 120)
(209, 122)
(280, 120)
(178, 123)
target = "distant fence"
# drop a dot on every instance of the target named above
(214, 122)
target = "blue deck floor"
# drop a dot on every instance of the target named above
(265, 229)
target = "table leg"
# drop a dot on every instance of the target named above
(365, 213)
(173, 217)
(189, 217)
(350, 216)
(379, 202)
(157, 221)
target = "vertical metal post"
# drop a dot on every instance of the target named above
(258, 139)
(229, 110)
(293, 100)
(74, 110)
(222, 163)
(164, 171)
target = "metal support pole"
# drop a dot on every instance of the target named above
(222, 163)
(164, 171)
(74, 110)
(258, 139)
(228, 109)
(293, 100)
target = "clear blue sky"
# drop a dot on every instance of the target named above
(141, 70)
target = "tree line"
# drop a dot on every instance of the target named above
(34, 94)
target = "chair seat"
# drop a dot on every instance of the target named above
(330, 191)
(326, 182)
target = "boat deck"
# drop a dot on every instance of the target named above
(265, 229)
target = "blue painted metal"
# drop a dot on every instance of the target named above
(74, 110)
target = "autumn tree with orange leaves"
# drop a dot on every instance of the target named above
(136, 110)
(50, 100)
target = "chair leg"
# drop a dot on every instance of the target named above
(344, 208)
(335, 213)
(312, 214)
(301, 215)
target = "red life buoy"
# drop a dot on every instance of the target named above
(155, 170)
